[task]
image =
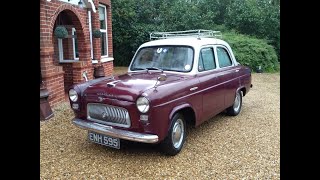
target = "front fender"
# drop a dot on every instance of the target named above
(238, 89)
(177, 108)
(174, 110)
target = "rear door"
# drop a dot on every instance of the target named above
(228, 74)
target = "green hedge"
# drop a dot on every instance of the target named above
(252, 52)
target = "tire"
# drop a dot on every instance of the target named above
(236, 106)
(172, 144)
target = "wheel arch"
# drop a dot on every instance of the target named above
(188, 113)
(243, 90)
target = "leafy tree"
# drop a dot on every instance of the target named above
(133, 20)
(256, 17)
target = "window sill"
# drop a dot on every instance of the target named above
(94, 61)
(106, 59)
(68, 61)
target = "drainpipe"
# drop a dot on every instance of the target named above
(90, 31)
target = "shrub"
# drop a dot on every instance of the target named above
(96, 33)
(252, 52)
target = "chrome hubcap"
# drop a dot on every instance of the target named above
(177, 133)
(236, 105)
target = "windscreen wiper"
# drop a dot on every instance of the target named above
(140, 69)
(154, 68)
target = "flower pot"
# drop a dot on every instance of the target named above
(45, 109)
(61, 32)
(96, 33)
(99, 72)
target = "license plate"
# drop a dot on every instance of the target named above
(104, 140)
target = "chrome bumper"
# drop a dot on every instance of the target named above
(118, 133)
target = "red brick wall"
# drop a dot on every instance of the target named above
(108, 68)
(68, 75)
(59, 76)
(56, 89)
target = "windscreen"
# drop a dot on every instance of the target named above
(167, 58)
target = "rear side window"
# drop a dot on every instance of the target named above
(206, 60)
(223, 57)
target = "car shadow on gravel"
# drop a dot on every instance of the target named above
(134, 148)
(207, 124)
(146, 149)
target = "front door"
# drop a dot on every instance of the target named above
(211, 86)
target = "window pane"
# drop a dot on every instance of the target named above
(102, 17)
(76, 45)
(207, 57)
(103, 44)
(223, 57)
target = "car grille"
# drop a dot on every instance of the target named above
(107, 114)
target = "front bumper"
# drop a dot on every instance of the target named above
(118, 133)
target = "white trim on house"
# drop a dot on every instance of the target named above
(68, 61)
(95, 61)
(105, 30)
(75, 2)
(90, 4)
(107, 59)
(74, 45)
(90, 31)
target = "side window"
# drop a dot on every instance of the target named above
(206, 60)
(223, 57)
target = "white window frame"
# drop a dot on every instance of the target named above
(105, 31)
(60, 49)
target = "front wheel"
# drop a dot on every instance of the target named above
(174, 141)
(237, 104)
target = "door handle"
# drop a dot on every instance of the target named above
(237, 70)
(194, 88)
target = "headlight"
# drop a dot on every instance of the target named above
(143, 104)
(73, 95)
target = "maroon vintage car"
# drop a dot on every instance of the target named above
(172, 82)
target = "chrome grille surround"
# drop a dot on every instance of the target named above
(109, 115)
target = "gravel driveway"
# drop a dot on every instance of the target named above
(243, 147)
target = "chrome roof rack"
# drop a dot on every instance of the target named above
(200, 33)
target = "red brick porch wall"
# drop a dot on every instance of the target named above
(58, 75)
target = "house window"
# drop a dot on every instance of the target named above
(103, 29)
(68, 48)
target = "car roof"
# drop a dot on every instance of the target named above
(187, 41)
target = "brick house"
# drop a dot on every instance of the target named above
(63, 62)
